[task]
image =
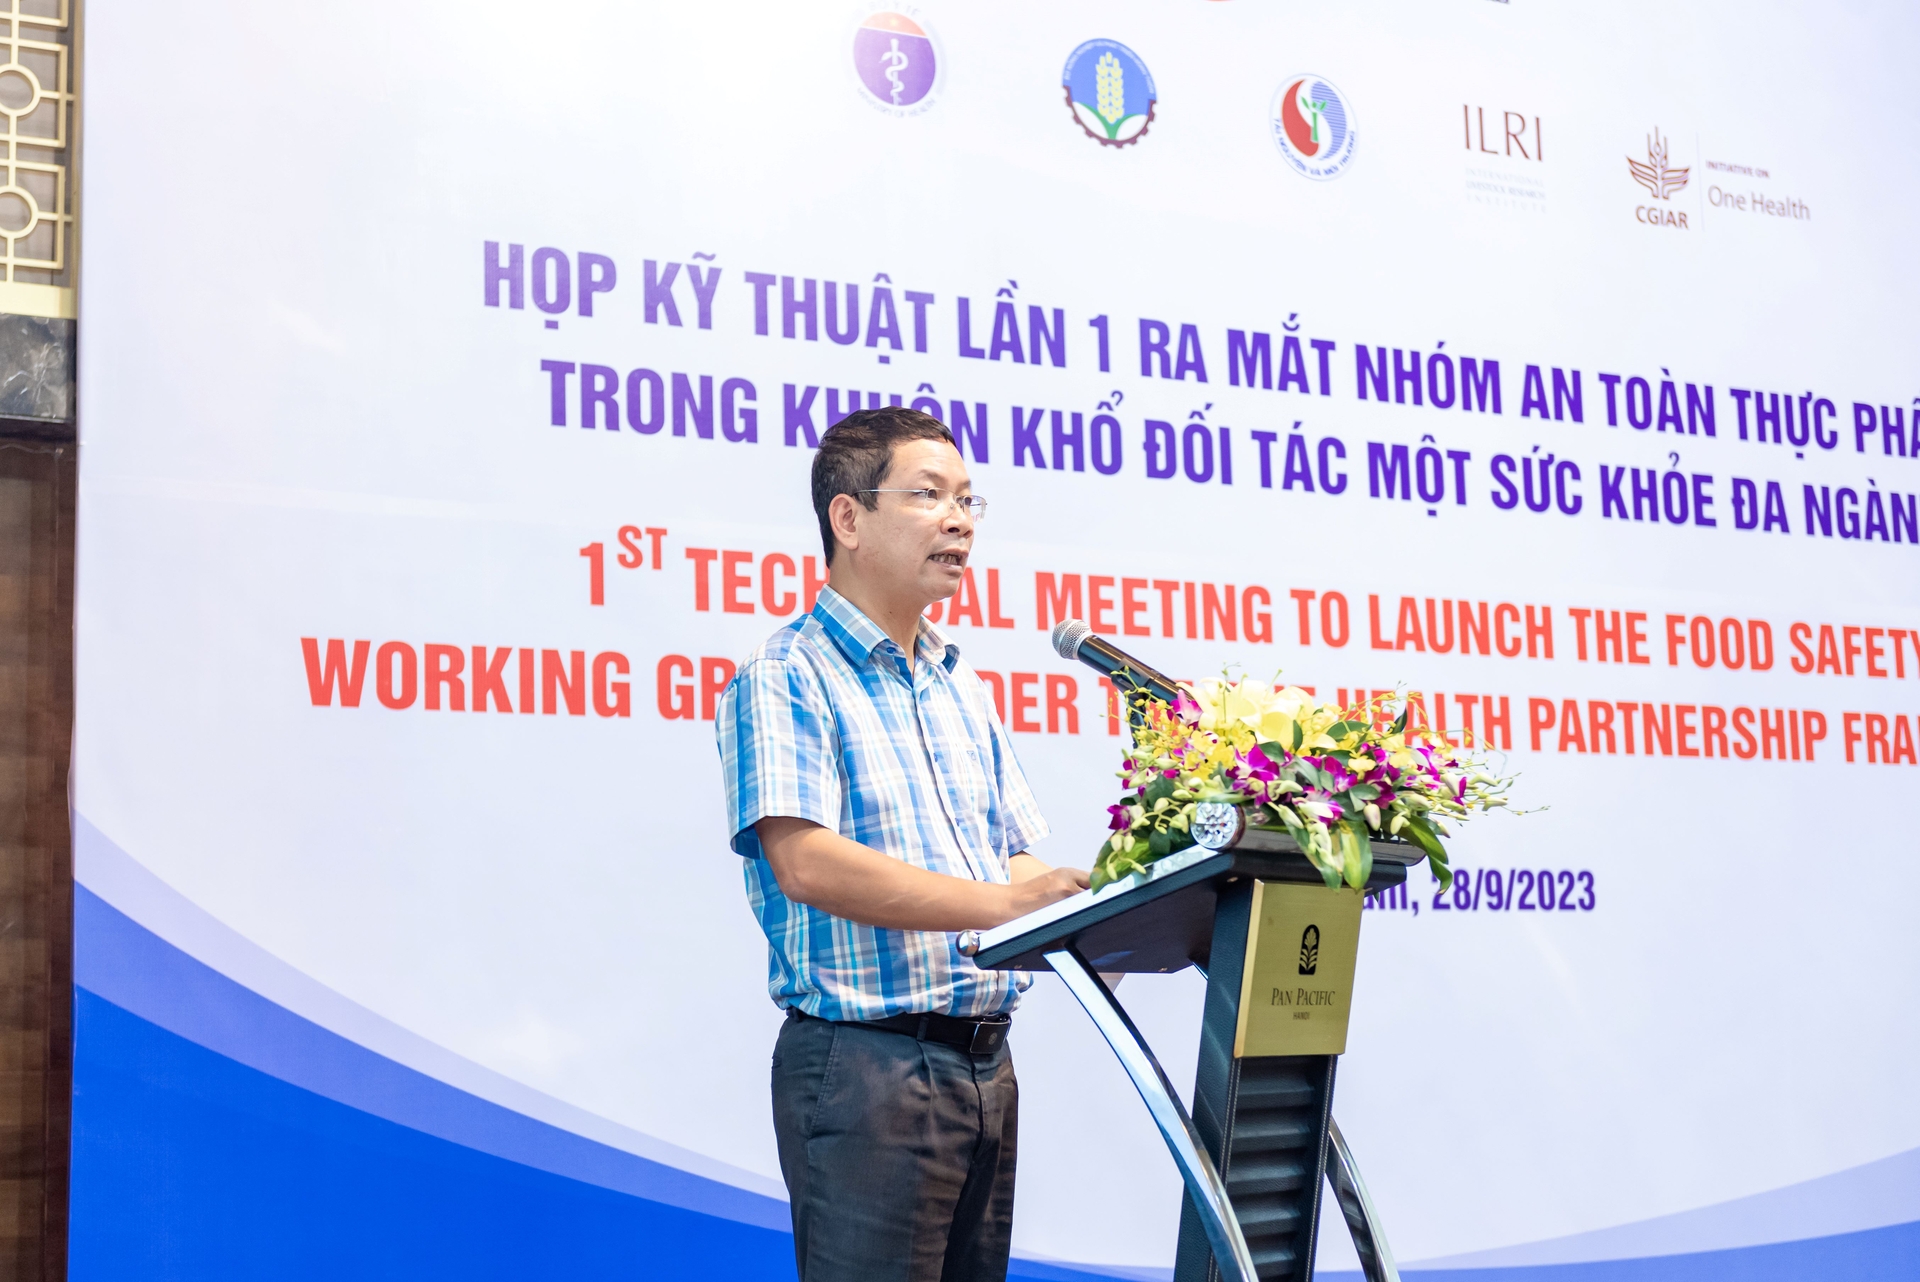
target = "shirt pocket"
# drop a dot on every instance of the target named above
(970, 786)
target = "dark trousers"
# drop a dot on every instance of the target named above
(898, 1154)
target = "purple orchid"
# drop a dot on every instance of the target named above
(1342, 778)
(1252, 772)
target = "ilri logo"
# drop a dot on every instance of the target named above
(1309, 950)
(1655, 174)
(1510, 138)
(1504, 166)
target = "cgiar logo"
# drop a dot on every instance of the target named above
(1309, 950)
(897, 60)
(1110, 92)
(1312, 124)
(1656, 175)
(1661, 179)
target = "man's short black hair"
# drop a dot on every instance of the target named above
(856, 452)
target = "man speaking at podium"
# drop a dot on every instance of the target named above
(880, 809)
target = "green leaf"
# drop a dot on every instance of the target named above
(1422, 835)
(1159, 843)
(1356, 856)
(1160, 788)
(1400, 722)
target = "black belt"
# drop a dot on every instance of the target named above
(981, 1036)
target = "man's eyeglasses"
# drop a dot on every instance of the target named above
(973, 505)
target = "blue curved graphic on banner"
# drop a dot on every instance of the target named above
(190, 1165)
(1877, 1195)
(121, 961)
(218, 1134)
(246, 1020)
(1891, 1254)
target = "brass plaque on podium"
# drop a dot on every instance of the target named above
(1296, 989)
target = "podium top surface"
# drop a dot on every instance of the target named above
(1158, 921)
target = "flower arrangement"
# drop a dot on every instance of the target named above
(1331, 778)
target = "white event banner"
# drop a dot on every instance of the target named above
(448, 385)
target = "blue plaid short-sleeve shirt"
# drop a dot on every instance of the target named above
(827, 722)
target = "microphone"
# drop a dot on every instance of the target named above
(1074, 639)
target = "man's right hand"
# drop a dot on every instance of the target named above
(1037, 889)
(840, 876)
(1037, 885)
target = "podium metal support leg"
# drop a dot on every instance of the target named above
(1208, 1191)
(1369, 1239)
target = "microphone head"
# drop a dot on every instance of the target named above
(1067, 636)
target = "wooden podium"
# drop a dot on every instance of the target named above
(1277, 949)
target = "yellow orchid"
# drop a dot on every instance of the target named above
(1254, 710)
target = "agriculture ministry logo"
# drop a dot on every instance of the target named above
(1110, 92)
(1313, 126)
(897, 60)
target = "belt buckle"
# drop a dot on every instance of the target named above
(988, 1037)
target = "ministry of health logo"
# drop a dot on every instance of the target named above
(1313, 126)
(897, 60)
(1110, 92)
